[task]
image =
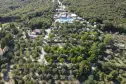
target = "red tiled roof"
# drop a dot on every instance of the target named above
(37, 30)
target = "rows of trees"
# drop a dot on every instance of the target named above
(78, 43)
(83, 45)
(80, 48)
(24, 63)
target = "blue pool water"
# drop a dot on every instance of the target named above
(63, 20)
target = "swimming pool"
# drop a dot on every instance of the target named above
(63, 20)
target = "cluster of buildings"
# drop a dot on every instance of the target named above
(62, 15)
(34, 33)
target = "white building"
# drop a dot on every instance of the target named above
(73, 16)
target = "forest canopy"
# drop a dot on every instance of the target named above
(26, 12)
(112, 10)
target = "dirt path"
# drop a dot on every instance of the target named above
(42, 58)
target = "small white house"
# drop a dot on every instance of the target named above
(60, 10)
(63, 16)
(74, 16)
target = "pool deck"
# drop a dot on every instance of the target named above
(64, 20)
(63, 17)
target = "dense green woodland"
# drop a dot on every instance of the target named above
(29, 12)
(112, 11)
(87, 52)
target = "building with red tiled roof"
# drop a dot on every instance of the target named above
(37, 31)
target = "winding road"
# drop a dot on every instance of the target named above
(42, 58)
(48, 31)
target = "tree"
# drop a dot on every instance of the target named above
(10, 55)
(62, 60)
(58, 82)
(94, 52)
(27, 53)
(56, 77)
(20, 81)
(47, 49)
(109, 77)
(66, 82)
(27, 36)
(57, 24)
(105, 66)
(9, 38)
(73, 60)
(15, 31)
(90, 80)
(43, 82)
(3, 43)
(35, 82)
(84, 67)
(29, 82)
(79, 58)
(92, 58)
(55, 70)
(50, 81)
(12, 25)
(101, 75)
(108, 40)
(0, 24)
(101, 47)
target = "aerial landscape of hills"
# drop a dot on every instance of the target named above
(62, 42)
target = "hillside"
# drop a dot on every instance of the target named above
(10, 7)
(25, 10)
(112, 10)
(47, 42)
